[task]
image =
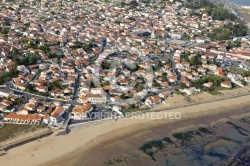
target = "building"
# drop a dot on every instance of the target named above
(165, 94)
(191, 90)
(226, 84)
(79, 112)
(5, 93)
(96, 99)
(208, 84)
(153, 100)
(55, 116)
(19, 85)
(20, 118)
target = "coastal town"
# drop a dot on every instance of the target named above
(66, 62)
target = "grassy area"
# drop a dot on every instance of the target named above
(12, 130)
(215, 93)
(245, 13)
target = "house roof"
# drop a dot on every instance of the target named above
(81, 108)
(57, 112)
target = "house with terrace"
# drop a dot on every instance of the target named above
(56, 116)
(79, 112)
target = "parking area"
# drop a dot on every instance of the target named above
(227, 63)
(100, 112)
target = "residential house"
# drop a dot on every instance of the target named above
(153, 100)
(19, 85)
(79, 112)
(226, 84)
(208, 84)
(55, 116)
(191, 90)
(165, 94)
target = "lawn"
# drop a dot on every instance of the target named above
(11, 130)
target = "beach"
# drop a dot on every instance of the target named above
(79, 143)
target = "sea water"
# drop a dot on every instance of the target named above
(240, 2)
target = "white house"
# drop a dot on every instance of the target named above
(5, 93)
(19, 85)
(55, 116)
(191, 90)
(96, 98)
(208, 84)
(153, 100)
(176, 35)
(226, 84)
(79, 112)
(165, 94)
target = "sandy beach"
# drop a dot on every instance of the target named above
(63, 150)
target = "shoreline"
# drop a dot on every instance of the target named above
(234, 3)
(195, 101)
(82, 155)
(51, 148)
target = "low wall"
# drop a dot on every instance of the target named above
(25, 140)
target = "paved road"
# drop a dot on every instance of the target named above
(29, 95)
(77, 85)
(38, 73)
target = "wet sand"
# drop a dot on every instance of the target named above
(127, 140)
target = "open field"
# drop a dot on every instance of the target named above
(12, 130)
(246, 14)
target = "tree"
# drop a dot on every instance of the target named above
(4, 30)
(240, 29)
(186, 37)
(140, 87)
(105, 65)
(32, 59)
(216, 80)
(164, 77)
(182, 85)
(123, 96)
(122, 4)
(208, 9)
(185, 56)
(88, 47)
(133, 4)
(29, 87)
(216, 12)
(146, 1)
(56, 84)
(106, 83)
(195, 60)
(117, 22)
(233, 44)
(220, 33)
